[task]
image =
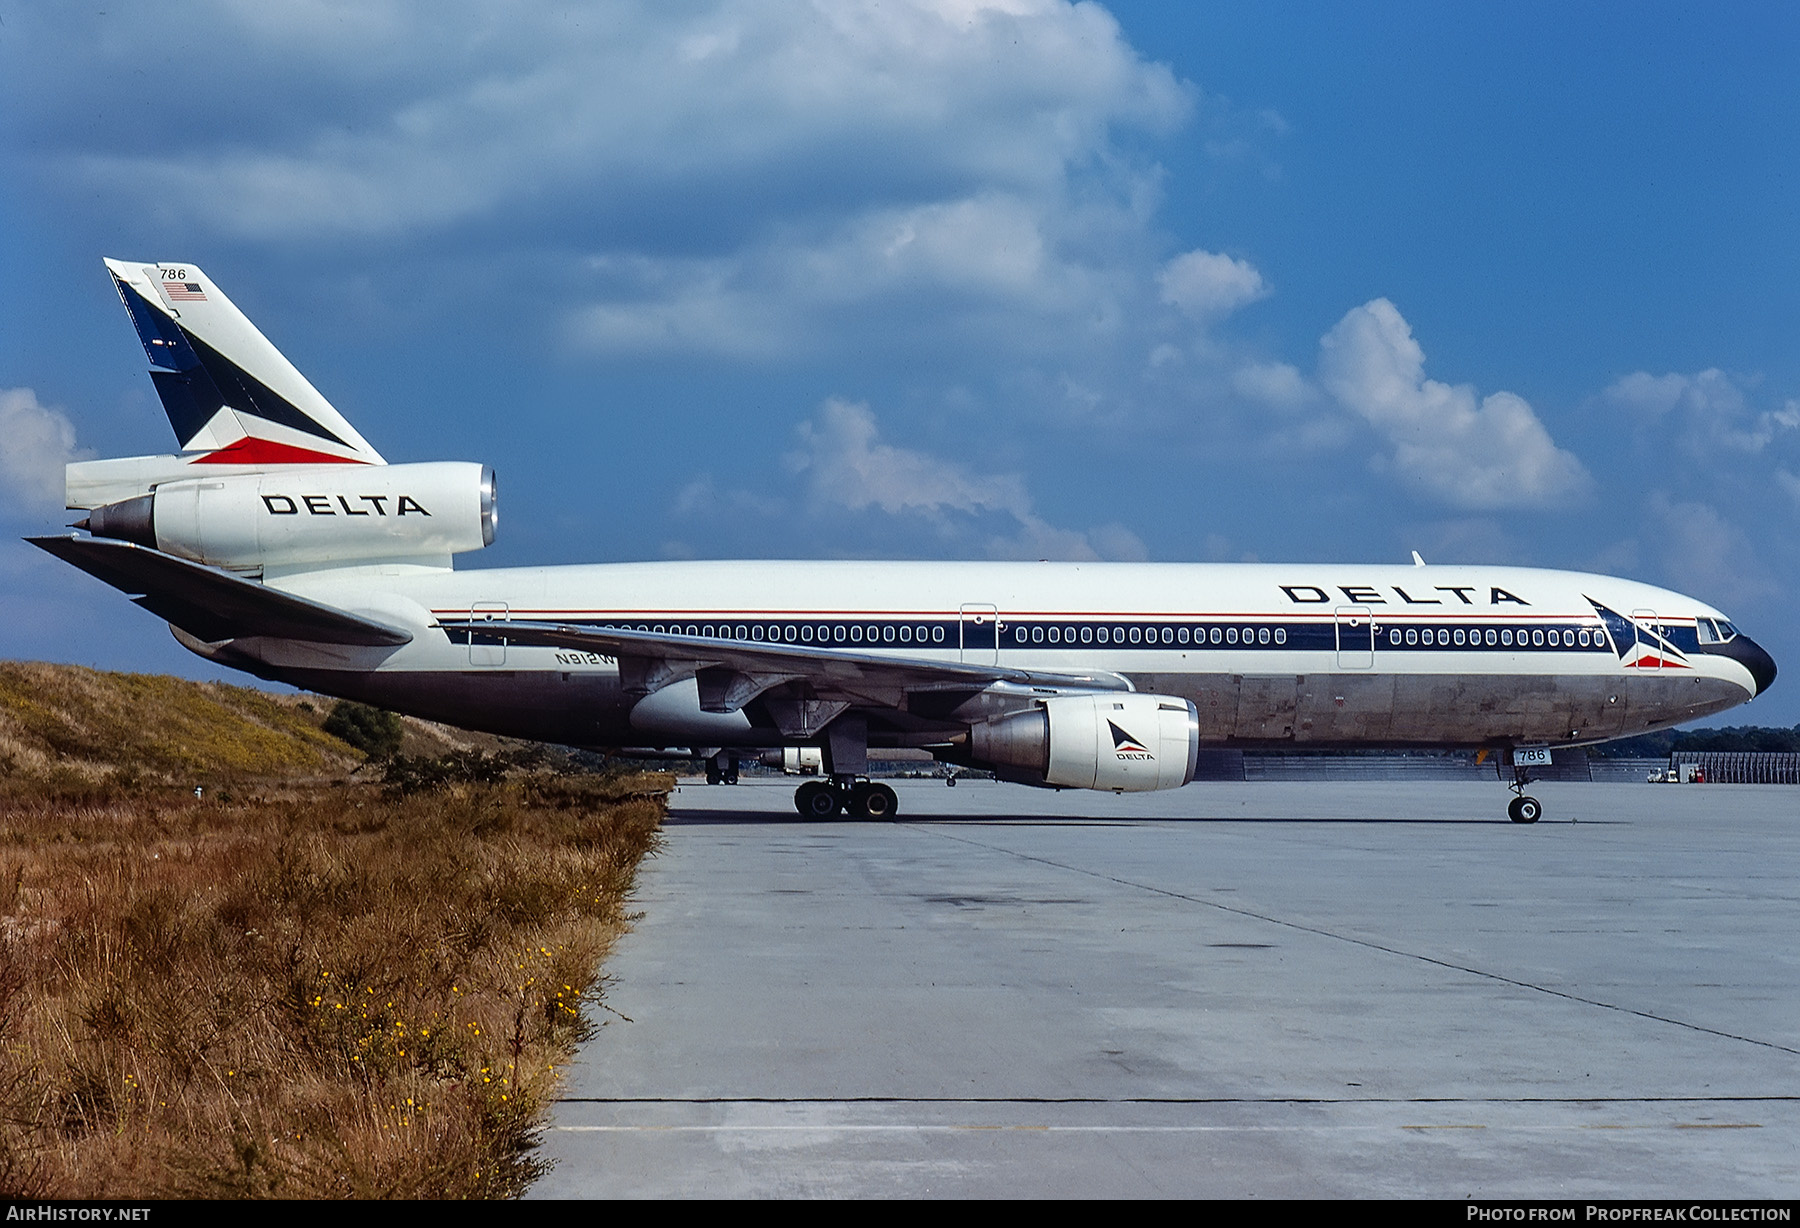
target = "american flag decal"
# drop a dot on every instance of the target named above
(184, 292)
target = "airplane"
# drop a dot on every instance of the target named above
(279, 542)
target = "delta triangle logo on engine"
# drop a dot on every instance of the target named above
(1127, 747)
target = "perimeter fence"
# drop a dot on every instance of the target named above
(1724, 767)
(1570, 764)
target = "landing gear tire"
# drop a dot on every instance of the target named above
(713, 775)
(817, 800)
(1524, 810)
(876, 802)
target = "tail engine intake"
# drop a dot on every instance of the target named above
(311, 517)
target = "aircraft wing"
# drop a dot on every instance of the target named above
(733, 672)
(213, 605)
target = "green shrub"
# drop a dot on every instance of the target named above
(407, 774)
(374, 731)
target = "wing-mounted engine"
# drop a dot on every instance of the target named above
(321, 516)
(1130, 743)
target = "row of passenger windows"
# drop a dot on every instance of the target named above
(803, 633)
(909, 633)
(1226, 635)
(1491, 637)
(1038, 633)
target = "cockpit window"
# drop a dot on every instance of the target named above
(1715, 631)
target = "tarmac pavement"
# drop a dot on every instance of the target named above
(1363, 989)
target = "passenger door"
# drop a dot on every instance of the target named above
(1355, 637)
(979, 637)
(1644, 625)
(488, 654)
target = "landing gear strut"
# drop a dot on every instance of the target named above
(861, 799)
(850, 790)
(1523, 809)
(722, 769)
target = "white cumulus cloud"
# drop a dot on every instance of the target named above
(779, 294)
(846, 465)
(393, 116)
(1704, 412)
(39, 441)
(1207, 284)
(1705, 552)
(722, 177)
(1278, 385)
(1479, 454)
(1789, 483)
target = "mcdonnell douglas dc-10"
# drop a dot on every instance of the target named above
(279, 542)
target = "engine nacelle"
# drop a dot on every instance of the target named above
(796, 760)
(324, 515)
(1130, 743)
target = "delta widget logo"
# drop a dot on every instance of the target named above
(1638, 642)
(1127, 747)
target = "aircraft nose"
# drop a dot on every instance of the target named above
(1753, 657)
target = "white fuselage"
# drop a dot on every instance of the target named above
(1321, 654)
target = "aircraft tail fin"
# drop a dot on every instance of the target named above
(228, 392)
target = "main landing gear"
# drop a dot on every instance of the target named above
(861, 799)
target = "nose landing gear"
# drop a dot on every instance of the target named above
(1523, 809)
(860, 799)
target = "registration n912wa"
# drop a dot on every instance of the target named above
(278, 541)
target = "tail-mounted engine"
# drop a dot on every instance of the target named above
(1131, 743)
(313, 516)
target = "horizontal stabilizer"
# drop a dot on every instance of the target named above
(211, 605)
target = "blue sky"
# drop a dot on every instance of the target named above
(1511, 283)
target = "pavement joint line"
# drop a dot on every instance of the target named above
(1367, 943)
(1175, 1100)
(955, 1128)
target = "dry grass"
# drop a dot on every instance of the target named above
(69, 724)
(322, 993)
(310, 989)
